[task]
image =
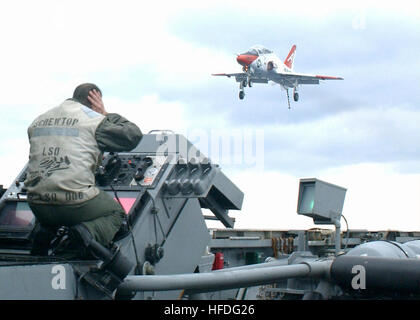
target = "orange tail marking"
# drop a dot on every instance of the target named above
(291, 56)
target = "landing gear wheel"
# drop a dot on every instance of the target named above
(241, 95)
(296, 96)
(249, 83)
(244, 83)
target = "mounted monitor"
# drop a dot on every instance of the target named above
(320, 200)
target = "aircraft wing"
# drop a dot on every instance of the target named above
(299, 78)
(242, 76)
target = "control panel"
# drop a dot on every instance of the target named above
(128, 170)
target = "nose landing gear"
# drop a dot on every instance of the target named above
(242, 85)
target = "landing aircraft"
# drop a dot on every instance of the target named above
(261, 65)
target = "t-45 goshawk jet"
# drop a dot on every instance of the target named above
(261, 65)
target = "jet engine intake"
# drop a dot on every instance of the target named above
(271, 66)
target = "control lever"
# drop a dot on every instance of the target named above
(108, 170)
(142, 167)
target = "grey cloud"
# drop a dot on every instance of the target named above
(378, 135)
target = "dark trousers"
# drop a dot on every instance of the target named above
(102, 215)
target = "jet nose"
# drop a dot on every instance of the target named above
(245, 59)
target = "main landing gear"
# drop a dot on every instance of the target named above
(242, 85)
(295, 96)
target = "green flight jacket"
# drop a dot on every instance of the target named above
(66, 145)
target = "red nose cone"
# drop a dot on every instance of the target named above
(246, 59)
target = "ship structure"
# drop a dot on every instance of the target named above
(164, 184)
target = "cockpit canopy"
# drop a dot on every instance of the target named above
(257, 50)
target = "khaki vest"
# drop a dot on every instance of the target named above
(63, 155)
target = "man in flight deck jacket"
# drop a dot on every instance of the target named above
(66, 145)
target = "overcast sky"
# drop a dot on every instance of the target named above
(153, 63)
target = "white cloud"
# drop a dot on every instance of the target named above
(270, 201)
(13, 157)
(45, 55)
(377, 198)
(150, 113)
(375, 134)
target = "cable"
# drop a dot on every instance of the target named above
(154, 223)
(79, 279)
(155, 211)
(129, 229)
(347, 233)
(274, 246)
(134, 248)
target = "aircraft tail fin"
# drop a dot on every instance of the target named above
(290, 57)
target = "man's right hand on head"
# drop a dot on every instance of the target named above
(95, 99)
